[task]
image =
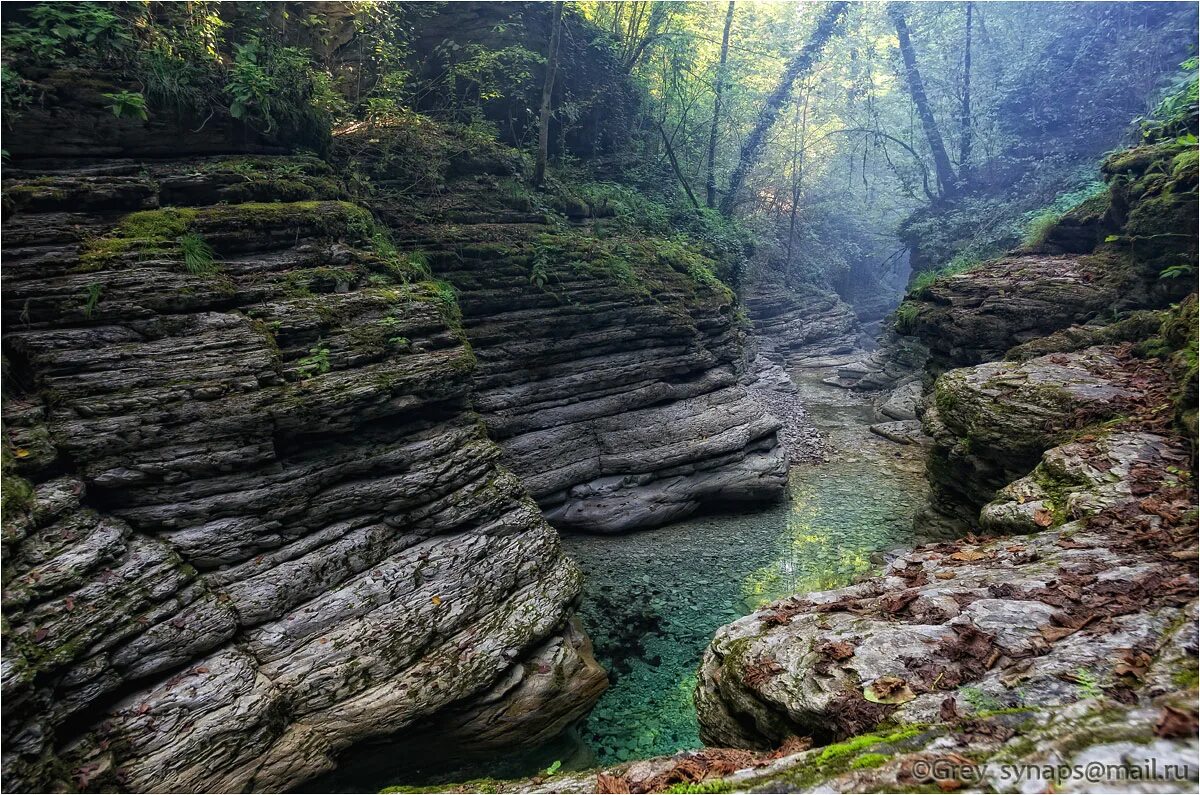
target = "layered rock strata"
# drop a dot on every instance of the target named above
(250, 517)
(801, 325)
(610, 363)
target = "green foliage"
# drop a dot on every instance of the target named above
(1089, 685)
(197, 255)
(68, 30)
(271, 85)
(1180, 271)
(92, 298)
(1039, 227)
(1039, 223)
(538, 272)
(16, 92)
(1176, 112)
(483, 73)
(904, 317)
(961, 263)
(315, 363)
(554, 768)
(447, 297)
(127, 105)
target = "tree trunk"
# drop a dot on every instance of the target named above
(797, 174)
(752, 149)
(916, 87)
(539, 174)
(711, 182)
(964, 118)
(675, 165)
(637, 51)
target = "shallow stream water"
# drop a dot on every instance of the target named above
(653, 599)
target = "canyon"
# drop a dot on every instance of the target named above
(318, 444)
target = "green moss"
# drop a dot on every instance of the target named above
(16, 493)
(868, 761)
(713, 785)
(856, 744)
(487, 785)
(1185, 163)
(144, 231)
(1188, 677)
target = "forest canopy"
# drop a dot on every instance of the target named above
(842, 137)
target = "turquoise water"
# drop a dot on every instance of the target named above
(653, 599)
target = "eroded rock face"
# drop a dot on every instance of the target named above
(1037, 621)
(610, 363)
(977, 316)
(990, 423)
(617, 401)
(250, 517)
(798, 325)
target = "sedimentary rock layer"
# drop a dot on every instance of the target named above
(609, 362)
(797, 324)
(250, 517)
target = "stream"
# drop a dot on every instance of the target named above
(653, 599)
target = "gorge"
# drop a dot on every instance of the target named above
(354, 442)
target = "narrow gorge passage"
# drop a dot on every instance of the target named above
(653, 599)
(615, 397)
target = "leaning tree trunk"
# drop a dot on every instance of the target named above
(964, 116)
(916, 87)
(716, 120)
(752, 149)
(539, 173)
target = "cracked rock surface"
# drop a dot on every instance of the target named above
(250, 517)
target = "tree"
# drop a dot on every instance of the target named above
(711, 181)
(539, 174)
(636, 48)
(799, 142)
(916, 88)
(964, 118)
(827, 25)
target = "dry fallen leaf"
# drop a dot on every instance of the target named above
(1174, 722)
(1043, 518)
(945, 575)
(437, 600)
(1052, 634)
(888, 690)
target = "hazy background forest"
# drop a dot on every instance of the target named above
(831, 140)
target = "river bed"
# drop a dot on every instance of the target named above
(653, 599)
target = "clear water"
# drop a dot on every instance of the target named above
(653, 599)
